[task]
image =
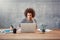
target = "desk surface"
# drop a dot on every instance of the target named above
(55, 34)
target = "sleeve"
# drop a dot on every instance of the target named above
(21, 22)
(35, 22)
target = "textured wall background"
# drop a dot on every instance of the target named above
(47, 12)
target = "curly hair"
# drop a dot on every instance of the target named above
(29, 10)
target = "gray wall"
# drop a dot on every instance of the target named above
(47, 12)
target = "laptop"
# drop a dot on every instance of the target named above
(28, 27)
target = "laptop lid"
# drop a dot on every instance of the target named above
(28, 27)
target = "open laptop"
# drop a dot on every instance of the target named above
(28, 27)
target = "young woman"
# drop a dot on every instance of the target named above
(29, 16)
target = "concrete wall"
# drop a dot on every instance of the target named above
(47, 12)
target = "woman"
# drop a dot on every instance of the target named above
(29, 16)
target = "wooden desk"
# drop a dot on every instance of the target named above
(53, 35)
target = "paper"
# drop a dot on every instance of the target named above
(47, 30)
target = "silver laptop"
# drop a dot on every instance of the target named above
(28, 27)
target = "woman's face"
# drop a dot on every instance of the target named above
(29, 16)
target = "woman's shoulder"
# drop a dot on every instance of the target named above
(23, 20)
(35, 20)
